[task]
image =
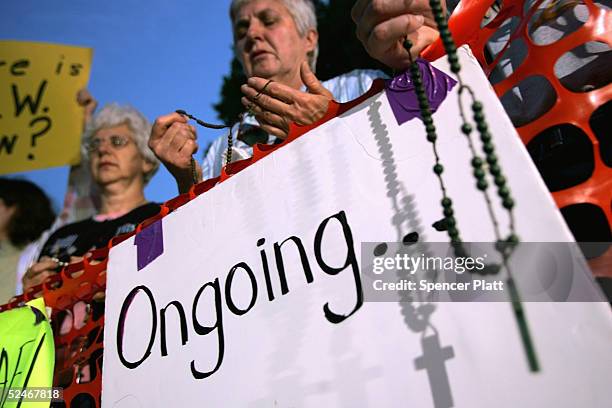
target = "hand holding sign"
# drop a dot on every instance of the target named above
(89, 104)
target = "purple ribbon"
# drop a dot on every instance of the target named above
(149, 244)
(403, 99)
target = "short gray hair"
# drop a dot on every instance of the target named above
(304, 17)
(112, 115)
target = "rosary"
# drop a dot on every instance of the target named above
(194, 174)
(230, 138)
(504, 245)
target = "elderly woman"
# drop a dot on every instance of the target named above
(121, 164)
(276, 43)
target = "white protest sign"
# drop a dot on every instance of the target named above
(255, 299)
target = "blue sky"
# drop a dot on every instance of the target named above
(155, 55)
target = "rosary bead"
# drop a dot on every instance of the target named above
(476, 162)
(488, 148)
(448, 212)
(449, 44)
(430, 129)
(495, 170)
(427, 120)
(508, 203)
(477, 106)
(492, 160)
(453, 232)
(466, 129)
(431, 137)
(503, 192)
(512, 238)
(455, 68)
(500, 180)
(499, 245)
(446, 202)
(453, 58)
(482, 184)
(438, 13)
(438, 169)
(440, 20)
(479, 173)
(450, 221)
(478, 116)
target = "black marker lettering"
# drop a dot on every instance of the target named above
(121, 322)
(351, 260)
(280, 266)
(47, 125)
(27, 100)
(7, 143)
(162, 326)
(228, 289)
(58, 68)
(266, 269)
(204, 330)
(75, 69)
(20, 64)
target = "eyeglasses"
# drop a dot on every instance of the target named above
(116, 142)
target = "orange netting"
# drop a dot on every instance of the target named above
(585, 107)
(78, 345)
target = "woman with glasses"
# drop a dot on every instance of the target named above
(121, 164)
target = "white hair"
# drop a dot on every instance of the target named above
(113, 115)
(304, 17)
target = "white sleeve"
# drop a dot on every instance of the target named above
(212, 163)
(351, 85)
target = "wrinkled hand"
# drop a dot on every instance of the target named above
(45, 268)
(382, 26)
(277, 105)
(39, 272)
(174, 142)
(89, 104)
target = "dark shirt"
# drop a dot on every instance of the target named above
(78, 238)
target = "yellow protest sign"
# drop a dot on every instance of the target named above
(40, 121)
(27, 357)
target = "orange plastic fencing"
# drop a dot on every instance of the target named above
(76, 298)
(572, 108)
